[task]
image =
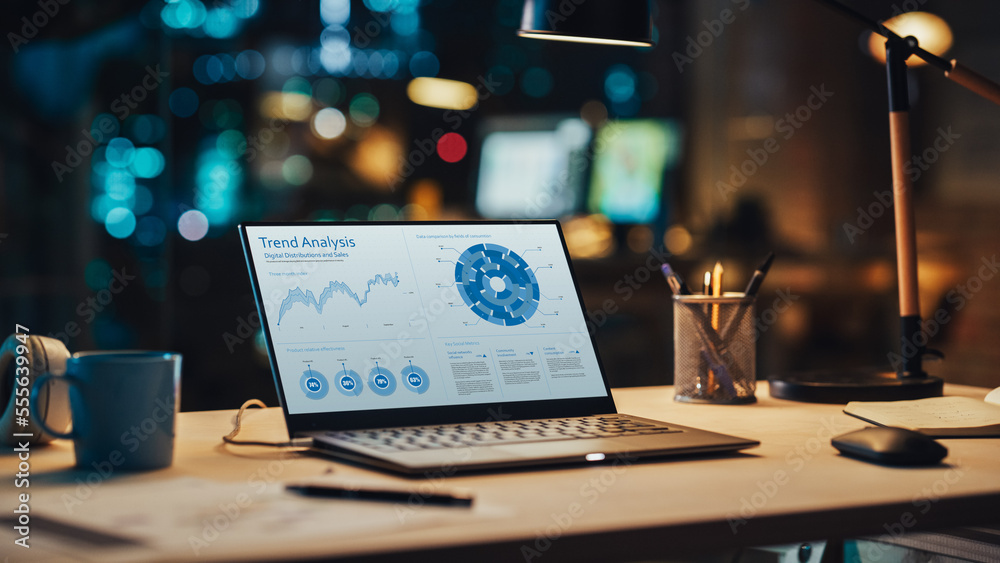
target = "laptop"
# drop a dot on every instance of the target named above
(424, 347)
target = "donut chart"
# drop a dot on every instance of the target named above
(314, 384)
(415, 379)
(349, 382)
(381, 381)
(497, 284)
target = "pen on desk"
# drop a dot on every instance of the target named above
(676, 282)
(385, 495)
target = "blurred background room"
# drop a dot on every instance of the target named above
(136, 135)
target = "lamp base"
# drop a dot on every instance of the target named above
(840, 386)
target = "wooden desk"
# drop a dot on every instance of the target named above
(794, 487)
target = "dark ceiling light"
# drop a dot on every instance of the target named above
(605, 22)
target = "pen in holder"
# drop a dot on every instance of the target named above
(714, 349)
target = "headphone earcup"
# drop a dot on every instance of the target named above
(43, 355)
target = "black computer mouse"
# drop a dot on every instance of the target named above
(891, 446)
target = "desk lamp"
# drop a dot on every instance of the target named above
(629, 22)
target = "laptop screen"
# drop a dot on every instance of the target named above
(377, 316)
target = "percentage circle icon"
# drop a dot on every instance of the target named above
(349, 382)
(314, 384)
(415, 379)
(381, 381)
(497, 284)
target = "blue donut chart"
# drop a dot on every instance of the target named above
(415, 379)
(497, 284)
(349, 382)
(381, 381)
(314, 384)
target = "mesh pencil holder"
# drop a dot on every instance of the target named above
(714, 349)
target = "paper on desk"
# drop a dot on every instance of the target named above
(196, 514)
(940, 416)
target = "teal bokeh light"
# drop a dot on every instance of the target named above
(148, 163)
(120, 222)
(120, 152)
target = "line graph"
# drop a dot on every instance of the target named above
(309, 299)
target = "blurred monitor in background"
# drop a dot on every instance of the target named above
(632, 158)
(531, 167)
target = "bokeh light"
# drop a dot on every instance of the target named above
(120, 222)
(335, 12)
(594, 112)
(231, 144)
(147, 163)
(119, 185)
(145, 129)
(932, 33)
(183, 102)
(329, 123)
(120, 152)
(207, 69)
(405, 24)
(142, 200)
(628, 108)
(328, 91)
(451, 147)
(245, 9)
(384, 212)
(364, 110)
(218, 180)
(678, 240)
(424, 63)
(97, 274)
(250, 64)
(357, 212)
(100, 206)
(619, 83)
(183, 14)
(192, 225)
(442, 93)
(228, 64)
(536, 82)
(502, 79)
(390, 64)
(221, 23)
(297, 170)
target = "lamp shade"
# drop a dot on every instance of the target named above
(608, 22)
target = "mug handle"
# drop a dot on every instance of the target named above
(33, 403)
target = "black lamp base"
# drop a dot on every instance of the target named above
(840, 386)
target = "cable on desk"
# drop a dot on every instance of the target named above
(229, 438)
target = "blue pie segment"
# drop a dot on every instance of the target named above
(497, 284)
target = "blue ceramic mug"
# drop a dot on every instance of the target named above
(123, 406)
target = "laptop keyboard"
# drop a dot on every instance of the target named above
(412, 438)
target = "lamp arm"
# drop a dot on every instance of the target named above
(957, 72)
(974, 81)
